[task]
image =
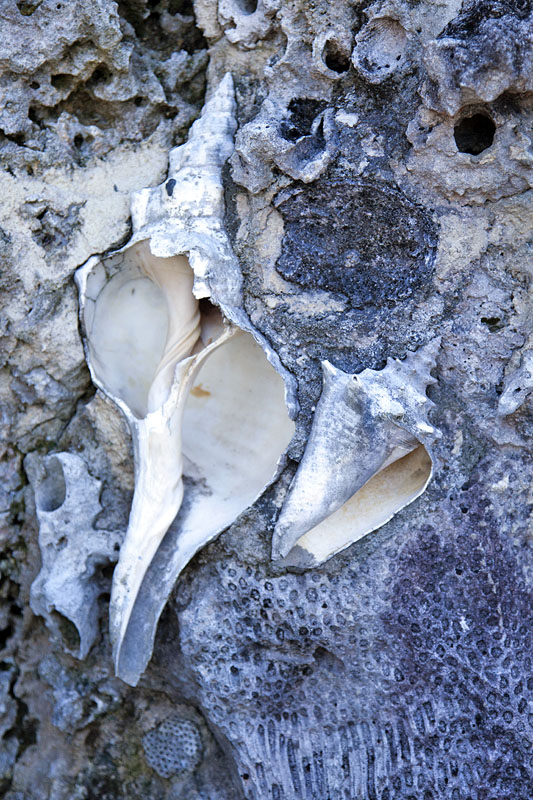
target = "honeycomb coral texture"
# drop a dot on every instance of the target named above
(174, 747)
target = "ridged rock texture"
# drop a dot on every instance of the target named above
(377, 202)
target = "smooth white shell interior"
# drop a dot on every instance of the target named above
(372, 506)
(134, 327)
(128, 338)
(235, 428)
(204, 456)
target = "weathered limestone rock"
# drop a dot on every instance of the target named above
(379, 197)
(66, 591)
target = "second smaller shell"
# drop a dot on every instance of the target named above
(365, 460)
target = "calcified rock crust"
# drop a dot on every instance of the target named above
(378, 196)
(67, 588)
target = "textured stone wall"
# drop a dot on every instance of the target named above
(379, 195)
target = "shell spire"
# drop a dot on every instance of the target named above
(190, 203)
(364, 459)
(193, 189)
(210, 141)
(403, 385)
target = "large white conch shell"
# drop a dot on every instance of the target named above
(364, 461)
(210, 417)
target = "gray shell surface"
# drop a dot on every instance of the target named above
(365, 459)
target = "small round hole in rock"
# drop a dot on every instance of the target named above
(493, 323)
(474, 134)
(334, 58)
(303, 112)
(68, 631)
(51, 492)
(247, 6)
(61, 82)
(27, 7)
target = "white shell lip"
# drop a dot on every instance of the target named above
(327, 538)
(368, 456)
(184, 217)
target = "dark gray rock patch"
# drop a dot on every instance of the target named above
(362, 239)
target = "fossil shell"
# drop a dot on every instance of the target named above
(272, 139)
(195, 409)
(380, 49)
(66, 590)
(364, 461)
(517, 386)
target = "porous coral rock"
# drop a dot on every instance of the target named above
(401, 667)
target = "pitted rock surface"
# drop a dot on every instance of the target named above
(379, 196)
